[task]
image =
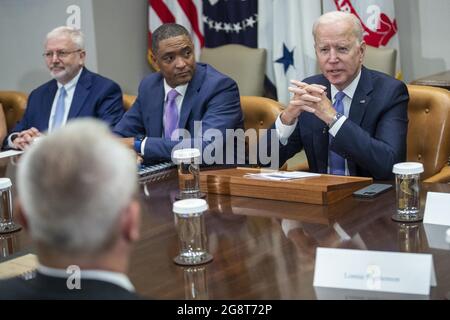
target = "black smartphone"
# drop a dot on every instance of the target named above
(372, 191)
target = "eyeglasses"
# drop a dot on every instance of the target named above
(59, 54)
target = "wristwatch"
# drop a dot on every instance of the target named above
(14, 136)
(336, 117)
(138, 143)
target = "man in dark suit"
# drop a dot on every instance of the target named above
(78, 202)
(363, 132)
(74, 91)
(185, 95)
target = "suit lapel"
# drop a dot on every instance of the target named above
(47, 104)
(320, 143)
(360, 103)
(321, 136)
(361, 99)
(155, 116)
(81, 93)
(191, 95)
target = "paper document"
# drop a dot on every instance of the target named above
(18, 266)
(281, 175)
(10, 153)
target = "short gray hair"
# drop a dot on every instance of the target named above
(336, 16)
(75, 34)
(73, 186)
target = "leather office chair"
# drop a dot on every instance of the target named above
(243, 64)
(259, 112)
(14, 105)
(128, 100)
(429, 131)
(381, 59)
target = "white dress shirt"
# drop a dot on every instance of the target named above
(178, 100)
(70, 90)
(285, 131)
(116, 278)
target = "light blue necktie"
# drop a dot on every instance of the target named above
(170, 114)
(60, 109)
(337, 163)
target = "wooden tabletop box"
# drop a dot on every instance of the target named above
(323, 189)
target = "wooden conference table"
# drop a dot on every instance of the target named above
(264, 249)
(441, 80)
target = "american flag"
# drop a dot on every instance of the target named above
(188, 13)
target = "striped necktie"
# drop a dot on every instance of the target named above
(171, 114)
(60, 109)
(337, 163)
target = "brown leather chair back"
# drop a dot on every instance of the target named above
(259, 112)
(381, 59)
(428, 128)
(128, 100)
(14, 105)
(247, 66)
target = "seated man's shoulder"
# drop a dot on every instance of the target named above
(211, 72)
(43, 88)
(98, 79)
(151, 79)
(55, 288)
(386, 83)
(317, 78)
(12, 288)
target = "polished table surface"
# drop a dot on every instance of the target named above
(441, 80)
(263, 249)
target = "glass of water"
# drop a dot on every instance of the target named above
(188, 161)
(407, 185)
(191, 229)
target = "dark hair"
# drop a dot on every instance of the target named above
(166, 31)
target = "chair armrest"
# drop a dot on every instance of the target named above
(303, 166)
(442, 176)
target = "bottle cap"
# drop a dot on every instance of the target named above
(181, 155)
(408, 168)
(188, 206)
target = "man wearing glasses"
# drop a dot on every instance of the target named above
(74, 91)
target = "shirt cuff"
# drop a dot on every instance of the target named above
(143, 145)
(284, 131)
(337, 125)
(10, 142)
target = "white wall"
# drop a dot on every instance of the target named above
(121, 34)
(115, 34)
(23, 27)
(424, 33)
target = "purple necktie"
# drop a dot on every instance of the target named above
(170, 114)
(337, 163)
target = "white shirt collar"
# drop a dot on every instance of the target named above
(349, 90)
(72, 83)
(180, 89)
(116, 278)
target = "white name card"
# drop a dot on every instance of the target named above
(10, 153)
(437, 208)
(437, 236)
(409, 273)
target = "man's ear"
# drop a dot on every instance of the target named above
(131, 221)
(363, 50)
(153, 60)
(20, 215)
